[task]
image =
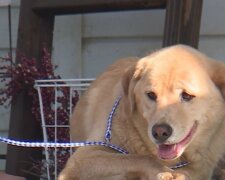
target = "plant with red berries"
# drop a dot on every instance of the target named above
(22, 76)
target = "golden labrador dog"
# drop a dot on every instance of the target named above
(170, 119)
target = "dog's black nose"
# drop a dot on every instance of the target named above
(161, 132)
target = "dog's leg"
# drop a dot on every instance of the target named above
(200, 172)
(85, 165)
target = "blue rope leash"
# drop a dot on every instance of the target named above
(58, 145)
(76, 144)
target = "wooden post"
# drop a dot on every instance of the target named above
(182, 24)
(33, 31)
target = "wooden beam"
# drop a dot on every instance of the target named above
(182, 24)
(57, 7)
(33, 32)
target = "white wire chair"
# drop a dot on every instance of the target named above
(58, 89)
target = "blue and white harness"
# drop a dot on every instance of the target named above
(106, 143)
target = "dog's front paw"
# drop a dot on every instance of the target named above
(171, 176)
(62, 177)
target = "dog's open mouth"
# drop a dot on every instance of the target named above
(172, 151)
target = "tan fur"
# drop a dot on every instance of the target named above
(168, 73)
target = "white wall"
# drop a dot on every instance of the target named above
(102, 38)
(212, 40)
(97, 40)
(85, 44)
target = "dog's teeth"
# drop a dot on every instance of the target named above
(175, 146)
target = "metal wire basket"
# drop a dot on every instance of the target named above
(55, 117)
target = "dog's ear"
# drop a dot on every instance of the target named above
(130, 76)
(129, 80)
(217, 74)
(126, 79)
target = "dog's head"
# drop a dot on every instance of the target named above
(179, 93)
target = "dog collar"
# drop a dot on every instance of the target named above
(179, 165)
(108, 132)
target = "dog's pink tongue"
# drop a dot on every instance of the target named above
(168, 151)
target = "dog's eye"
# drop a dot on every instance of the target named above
(186, 97)
(151, 95)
